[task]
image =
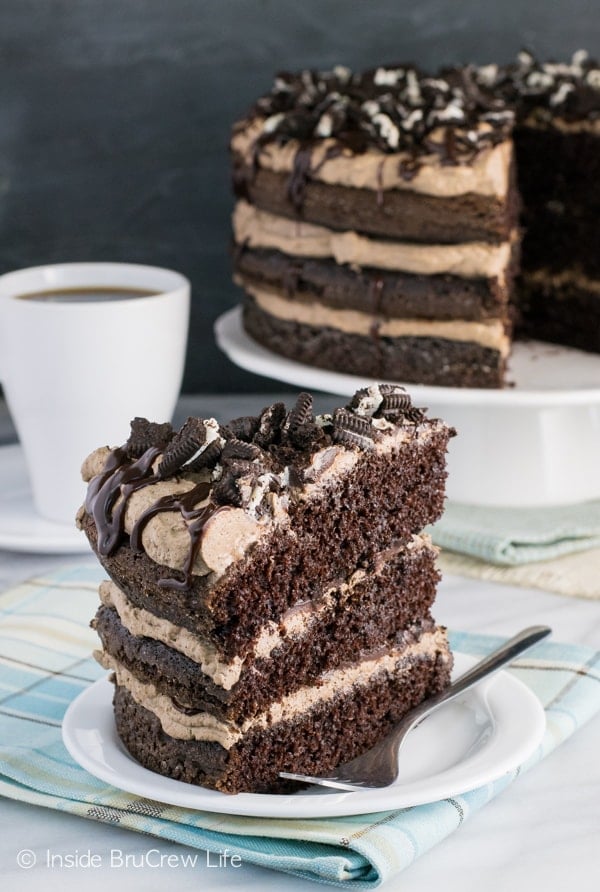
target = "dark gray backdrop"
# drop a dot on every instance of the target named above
(114, 117)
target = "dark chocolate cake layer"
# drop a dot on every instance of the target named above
(372, 613)
(393, 213)
(562, 308)
(560, 183)
(339, 491)
(430, 360)
(313, 742)
(383, 292)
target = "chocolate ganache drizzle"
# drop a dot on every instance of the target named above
(196, 519)
(391, 109)
(119, 479)
(232, 466)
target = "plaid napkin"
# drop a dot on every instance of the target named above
(45, 644)
(573, 575)
(514, 536)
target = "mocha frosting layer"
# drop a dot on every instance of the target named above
(260, 229)
(203, 726)
(298, 622)
(487, 173)
(490, 333)
(566, 278)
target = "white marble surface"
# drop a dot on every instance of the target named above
(540, 834)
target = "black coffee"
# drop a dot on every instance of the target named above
(98, 294)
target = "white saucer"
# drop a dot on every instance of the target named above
(21, 528)
(485, 734)
(534, 443)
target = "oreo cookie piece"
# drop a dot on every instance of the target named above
(270, 424)
(147, 434)
(351, 430)
(184, 446)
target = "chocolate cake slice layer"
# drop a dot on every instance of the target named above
(367, 611)
(336, 721)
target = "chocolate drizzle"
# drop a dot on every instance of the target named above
(376, 293)
(118, 479)
(300, 176)
(195, 518)
(380, 192)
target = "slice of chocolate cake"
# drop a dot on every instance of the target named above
(270, 585)
(376, 224)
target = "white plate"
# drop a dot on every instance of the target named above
(21, 528)
(474, 740)
(532, 444)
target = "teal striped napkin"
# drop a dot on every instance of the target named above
(513, 536)
(45, 644)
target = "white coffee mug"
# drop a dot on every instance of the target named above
(76, 371)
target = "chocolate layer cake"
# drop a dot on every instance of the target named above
(377, 226)
(270, 585)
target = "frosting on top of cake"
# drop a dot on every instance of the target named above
(392, 108)
(195, 500)
(395, 108)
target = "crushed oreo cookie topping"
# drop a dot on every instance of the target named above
(145, 434)
(302, 411)
(208, 458)
(546, 89)
(227, 492)
(394, 402)
(243, 428)
(270, 424)
(352, 430)
(392, 109)
(415, 415)
(235, 448)
(301, 427)
(183, 447)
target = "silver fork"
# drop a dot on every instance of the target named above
(378, 767)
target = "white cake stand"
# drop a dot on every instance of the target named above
(534, 443)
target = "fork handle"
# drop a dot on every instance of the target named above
(508, 652)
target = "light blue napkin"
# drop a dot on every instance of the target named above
(513, 536)
(45, 643)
